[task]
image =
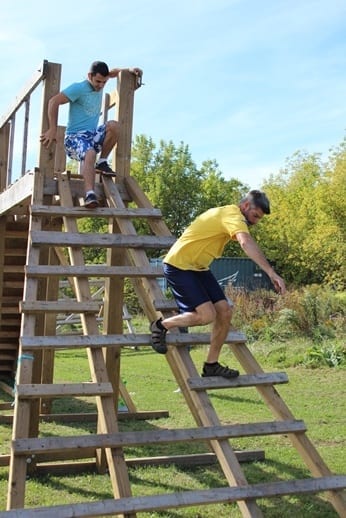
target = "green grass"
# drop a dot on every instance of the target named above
(314, 395)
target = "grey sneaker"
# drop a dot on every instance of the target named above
(90, 201)
(105, 169)
(158, 337)
(215, 369)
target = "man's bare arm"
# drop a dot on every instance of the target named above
(49, 136)
(253, 251)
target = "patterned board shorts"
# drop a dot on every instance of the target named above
(77, 144)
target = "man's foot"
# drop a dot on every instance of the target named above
(90, 201)
(215, 369)
(158, 336)
(105, 169)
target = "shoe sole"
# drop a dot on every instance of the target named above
(161, 349)
(91, 205)
(104, 173)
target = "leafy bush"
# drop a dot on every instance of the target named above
(330, 356)
(313, 312)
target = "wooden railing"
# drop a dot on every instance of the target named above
(9, 129)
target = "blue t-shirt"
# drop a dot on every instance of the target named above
(85, 107)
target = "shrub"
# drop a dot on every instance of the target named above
(315, 312)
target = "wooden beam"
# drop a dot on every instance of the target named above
(93, 271)
(88, 239)
(44, 390)
(183, 499)
(82, 212)
(112, 340)
(55, 444)
(58, 306)
(246, 380)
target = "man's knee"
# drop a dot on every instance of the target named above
(205, 314)
(224, 311)
(112, 127)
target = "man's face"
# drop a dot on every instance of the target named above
(97, 81)
(252, 214)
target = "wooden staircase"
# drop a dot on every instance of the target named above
(55, 226)
(13, 244)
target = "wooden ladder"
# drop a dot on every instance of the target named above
(127, 258)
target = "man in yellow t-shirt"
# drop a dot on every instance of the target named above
(199, 297)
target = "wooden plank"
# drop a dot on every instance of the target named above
(93, 271)
(105, 212)
(165, 305)
(88, 239)
(120, 340)
(17, 194)
(59, 306)
(183, 499)
(45, 390)
(246, 380)
(194, 459)
(14, 268)
(55, 444)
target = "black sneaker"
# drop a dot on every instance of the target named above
(215, 369)
(90, 201)
(158, 337)
(105, 169)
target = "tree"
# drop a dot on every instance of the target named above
(305, 235)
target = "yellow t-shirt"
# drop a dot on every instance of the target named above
(206, 237)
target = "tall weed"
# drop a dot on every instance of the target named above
(313, 312)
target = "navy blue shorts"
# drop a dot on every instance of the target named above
(192, 288)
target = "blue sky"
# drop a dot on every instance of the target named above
(245, 82)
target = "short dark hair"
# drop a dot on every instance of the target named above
(99, 67)
(258, 199)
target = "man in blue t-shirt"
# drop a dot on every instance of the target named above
(84, 139)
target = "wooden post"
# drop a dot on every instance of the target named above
(124, 114)
(51, 87)
(4, 143)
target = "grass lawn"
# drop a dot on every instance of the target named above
(316, 396)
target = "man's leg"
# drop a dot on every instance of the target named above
(111, 138)
(219, 332)
(220, 329)
(88, 170)
(203, 314)
(111, 135)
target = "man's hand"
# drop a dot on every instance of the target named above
(48, 137)
(137, 71)
(279, 283)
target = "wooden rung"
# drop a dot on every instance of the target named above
(13, 268)
(39, 390)
(93, 271)
(121, 340)
(184, 498)
(246, 380)
(6, 357)
(15, 252)
(194, 459)
(16, 234)
(59, 306)
(88, 239)
(165, 305)
(9, 334)
(10, 310)
(120, 439)
(82, 212)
